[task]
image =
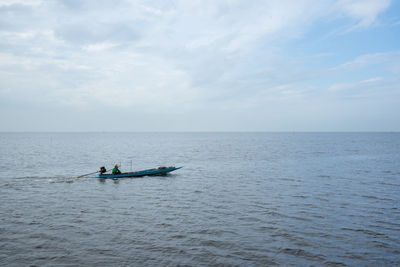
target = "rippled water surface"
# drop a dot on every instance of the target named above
(253, 199)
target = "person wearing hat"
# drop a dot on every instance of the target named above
(116, 170)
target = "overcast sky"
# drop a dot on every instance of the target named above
(200, 65)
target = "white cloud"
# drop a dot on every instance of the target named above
(20, 2)
(170, 57)
(17, 35)
(99, 47)
(355, 85)
(365, 12)
(367, 60)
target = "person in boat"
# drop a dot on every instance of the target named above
(116, 170)
(103, 170)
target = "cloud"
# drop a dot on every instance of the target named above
(169, 57)
(99, 47)
(355, 85)
(365, 12)
(20, 2)
(369, 60)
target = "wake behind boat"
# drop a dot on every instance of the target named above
(148, 172)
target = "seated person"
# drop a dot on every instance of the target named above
(116, 170)
(103, 170)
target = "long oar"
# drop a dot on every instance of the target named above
(87, 174)
(91, 173)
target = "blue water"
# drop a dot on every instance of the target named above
(253, 199)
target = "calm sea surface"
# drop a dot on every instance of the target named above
(246, 199)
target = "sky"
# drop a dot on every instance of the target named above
(227, 65)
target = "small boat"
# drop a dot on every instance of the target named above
(149, 172)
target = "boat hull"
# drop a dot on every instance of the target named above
(149, 172)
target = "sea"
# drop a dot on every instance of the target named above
(241, 199)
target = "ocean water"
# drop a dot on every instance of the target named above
(242, 199)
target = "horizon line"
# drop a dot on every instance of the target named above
(294, 131)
